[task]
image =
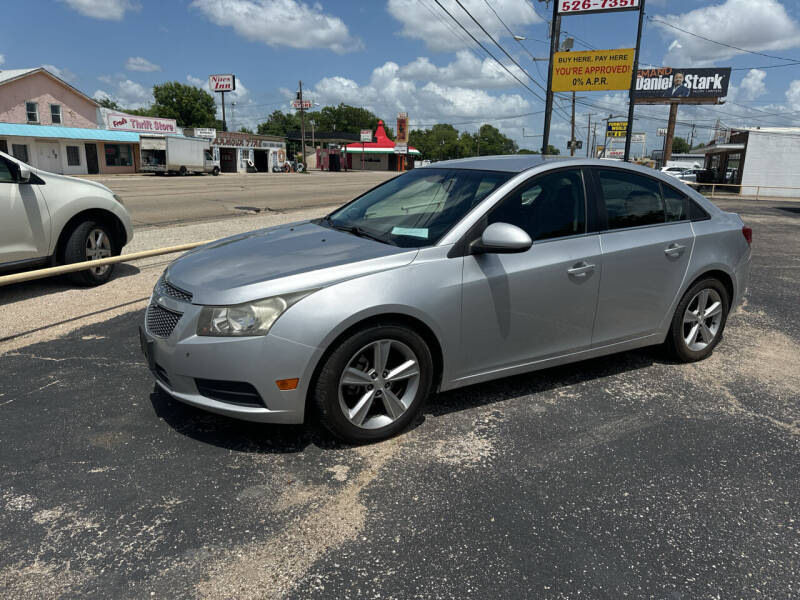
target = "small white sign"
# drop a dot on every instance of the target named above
(222, 83)
(401, 148)
(662, 131)
(638, 138)
(205, 132)
(301, 104)
(366, 135)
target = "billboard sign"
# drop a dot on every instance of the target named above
(366, 136)
(638, 138)
(222, 83)
(593, 70)
(402, 128)
(682, 85)
(612, 153)
(124, 122)
(617, 129)
(574, 7)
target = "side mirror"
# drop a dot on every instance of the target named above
(502, 238)
(24, 174)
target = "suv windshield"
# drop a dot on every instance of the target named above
(416, 209)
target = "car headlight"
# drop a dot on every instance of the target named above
(118, 198)
(250, 318)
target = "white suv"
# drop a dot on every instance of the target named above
(48, 219)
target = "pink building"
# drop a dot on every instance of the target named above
(49, 124)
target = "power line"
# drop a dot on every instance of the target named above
(702, 37)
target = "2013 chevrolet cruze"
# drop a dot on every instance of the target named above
(445, 276)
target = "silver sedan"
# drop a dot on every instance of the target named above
(448, 275)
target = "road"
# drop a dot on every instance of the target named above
(625, 476)
(154, 200)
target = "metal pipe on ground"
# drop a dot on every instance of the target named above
(91, 264)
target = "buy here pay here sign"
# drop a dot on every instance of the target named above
(593, 70)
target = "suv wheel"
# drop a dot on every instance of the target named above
(374, 383)
(90, 240)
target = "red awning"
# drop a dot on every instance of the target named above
(381, 144)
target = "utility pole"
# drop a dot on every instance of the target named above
(233, 115)
(691, 139)
(555, 34)
(589, 134)
(594, 141)
(303, 126)
(673, 115)
(572, 136)
(605, 139)
(632, 90)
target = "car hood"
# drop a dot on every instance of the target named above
(279, 260)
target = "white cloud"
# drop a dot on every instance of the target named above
(128, 94)
(389, 92)
(106, 10)
(759, 25)
(245, 112)
(431, 24)
(64, 74)
(2, 59)
(752, 86)
(290, 23)
(137, 63)
(467, 70)
(793, 95)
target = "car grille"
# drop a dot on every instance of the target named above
(233, 392)
(166, 288)
(160, 321)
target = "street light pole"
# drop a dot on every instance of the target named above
(302, 127)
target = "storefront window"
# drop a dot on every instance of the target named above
(4, 146)
(20, 152)
(73, 156)
(118, 155)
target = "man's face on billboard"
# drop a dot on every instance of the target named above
(679, 79)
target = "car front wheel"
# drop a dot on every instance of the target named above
(90, 240)
(699, 321)
(374, 383)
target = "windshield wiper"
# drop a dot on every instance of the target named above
(357, 230)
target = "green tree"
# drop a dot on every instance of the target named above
(108, 103)
(680, 146)
(245, 130)
(279, 123)
(494, 142)
(527, 151)
(552, 149)
(188, 105)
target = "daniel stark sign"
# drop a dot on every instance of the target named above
(682, 85)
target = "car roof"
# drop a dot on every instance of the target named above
(517, 163)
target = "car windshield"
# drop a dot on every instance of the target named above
(416, 209)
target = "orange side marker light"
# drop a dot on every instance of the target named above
(285, 385)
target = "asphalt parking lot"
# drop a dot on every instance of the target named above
(625, 476)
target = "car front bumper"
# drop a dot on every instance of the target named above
(181, 358)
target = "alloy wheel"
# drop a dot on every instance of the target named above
(379, 384)
(98, 246)
(702, 319)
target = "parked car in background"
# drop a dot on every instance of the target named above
(689, 175)
(448, 275)
(48, 219)
(673, 170)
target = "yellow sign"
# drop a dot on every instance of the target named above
(593, 70)
(617, 129)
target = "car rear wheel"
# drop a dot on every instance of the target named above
(90, 240)
(699, 321)
(183, 172)
(374, 383)
(215, 171)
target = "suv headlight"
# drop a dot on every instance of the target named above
(250, 318)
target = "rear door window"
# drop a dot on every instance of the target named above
(675, 204)
(630, 200)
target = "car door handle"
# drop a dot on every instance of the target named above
(674, 250)
(580, 269)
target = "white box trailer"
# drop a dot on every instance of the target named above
(172, 154)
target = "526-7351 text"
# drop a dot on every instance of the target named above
(581, 6)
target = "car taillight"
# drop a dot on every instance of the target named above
(748, 234)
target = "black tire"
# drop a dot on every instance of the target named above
(75, 251)
(183, 172)
(676, 338)
(325, 390)
(215, 171)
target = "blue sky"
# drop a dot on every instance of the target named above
(391, 55)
